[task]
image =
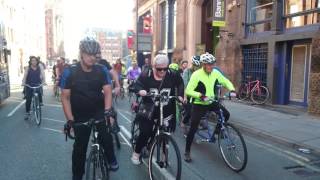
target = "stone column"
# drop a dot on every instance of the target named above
(314, 89)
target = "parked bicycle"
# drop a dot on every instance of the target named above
(96, 164)
(35, 110)
(231, 143)
(164, 152)
(254, 90)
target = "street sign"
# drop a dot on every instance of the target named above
(144, 42)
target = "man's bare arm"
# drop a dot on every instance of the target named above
(66, 105)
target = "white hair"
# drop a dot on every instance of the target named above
(161, 59)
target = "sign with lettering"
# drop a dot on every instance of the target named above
(219, 13)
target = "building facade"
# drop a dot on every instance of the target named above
(111, 43)
(54, 29)
(269, 40)
(24, 31)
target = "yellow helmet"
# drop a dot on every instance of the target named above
(174, 66)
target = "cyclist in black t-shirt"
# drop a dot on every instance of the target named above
(156, 80)
(86, 94)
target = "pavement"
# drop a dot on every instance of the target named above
(289, 126)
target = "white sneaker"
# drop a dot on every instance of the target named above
(135, 158)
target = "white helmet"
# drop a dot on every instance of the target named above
(207, 58)
(196, 60)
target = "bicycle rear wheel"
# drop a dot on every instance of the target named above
(37, 110)
(243, 94)
(233, 148)
(165, 157)
(96, 167)
(260, 95)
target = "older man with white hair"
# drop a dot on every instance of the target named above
(159, 78)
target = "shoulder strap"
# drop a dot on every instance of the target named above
(73, 72)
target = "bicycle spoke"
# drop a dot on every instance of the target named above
(165, 157)
(233, 148)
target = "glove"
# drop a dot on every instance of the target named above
(110, 113)
(68, 125)
(203, 98)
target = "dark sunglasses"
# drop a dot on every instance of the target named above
(161, 69)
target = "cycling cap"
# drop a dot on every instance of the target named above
(174, 66)
(89, 46)
(207, 58)
(196, 60)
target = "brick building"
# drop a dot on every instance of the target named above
(54, 29)
(111, 43)
(269, 40)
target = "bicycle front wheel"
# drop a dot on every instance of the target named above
(260, 95)
(233, 148)
(96, 167)
(135, 131)
(37, 110)
(165, 158)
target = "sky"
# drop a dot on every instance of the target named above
(82, 14)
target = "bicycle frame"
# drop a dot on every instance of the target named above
(208, 136)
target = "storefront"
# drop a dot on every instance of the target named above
(286, 28)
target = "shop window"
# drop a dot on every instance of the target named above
(301, 12)
(259, 15)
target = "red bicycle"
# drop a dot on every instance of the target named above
(254, 90)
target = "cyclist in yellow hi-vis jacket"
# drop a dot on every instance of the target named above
(200, 88)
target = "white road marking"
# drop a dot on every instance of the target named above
(125, 139)
(125, 131)
(54, 105)
(16, 108)
(14, 100)
(54, 130)
(56, 120)
(166, 174)
(127, 119)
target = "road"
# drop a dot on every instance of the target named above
(28, 152)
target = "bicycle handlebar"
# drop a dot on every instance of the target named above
(34, 87)
(88, 123)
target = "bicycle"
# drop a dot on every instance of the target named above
(228, 136)
(254, 90)
(96, 164)
(131, 93)
(162, 141)
(35, 104)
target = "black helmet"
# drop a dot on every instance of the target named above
(89, 46)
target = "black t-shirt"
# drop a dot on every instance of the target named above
(87, 99)
(171, 83)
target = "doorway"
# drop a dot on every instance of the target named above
(300, 67)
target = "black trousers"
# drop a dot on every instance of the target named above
(146, 127)
(82, 134)
(29, 93)
(197, 112)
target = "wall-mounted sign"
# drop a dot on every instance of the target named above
(219, 13)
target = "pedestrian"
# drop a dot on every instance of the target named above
(86, 94)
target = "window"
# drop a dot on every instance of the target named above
(301, 12)
(259, 15)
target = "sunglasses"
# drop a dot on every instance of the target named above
(161, 69)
